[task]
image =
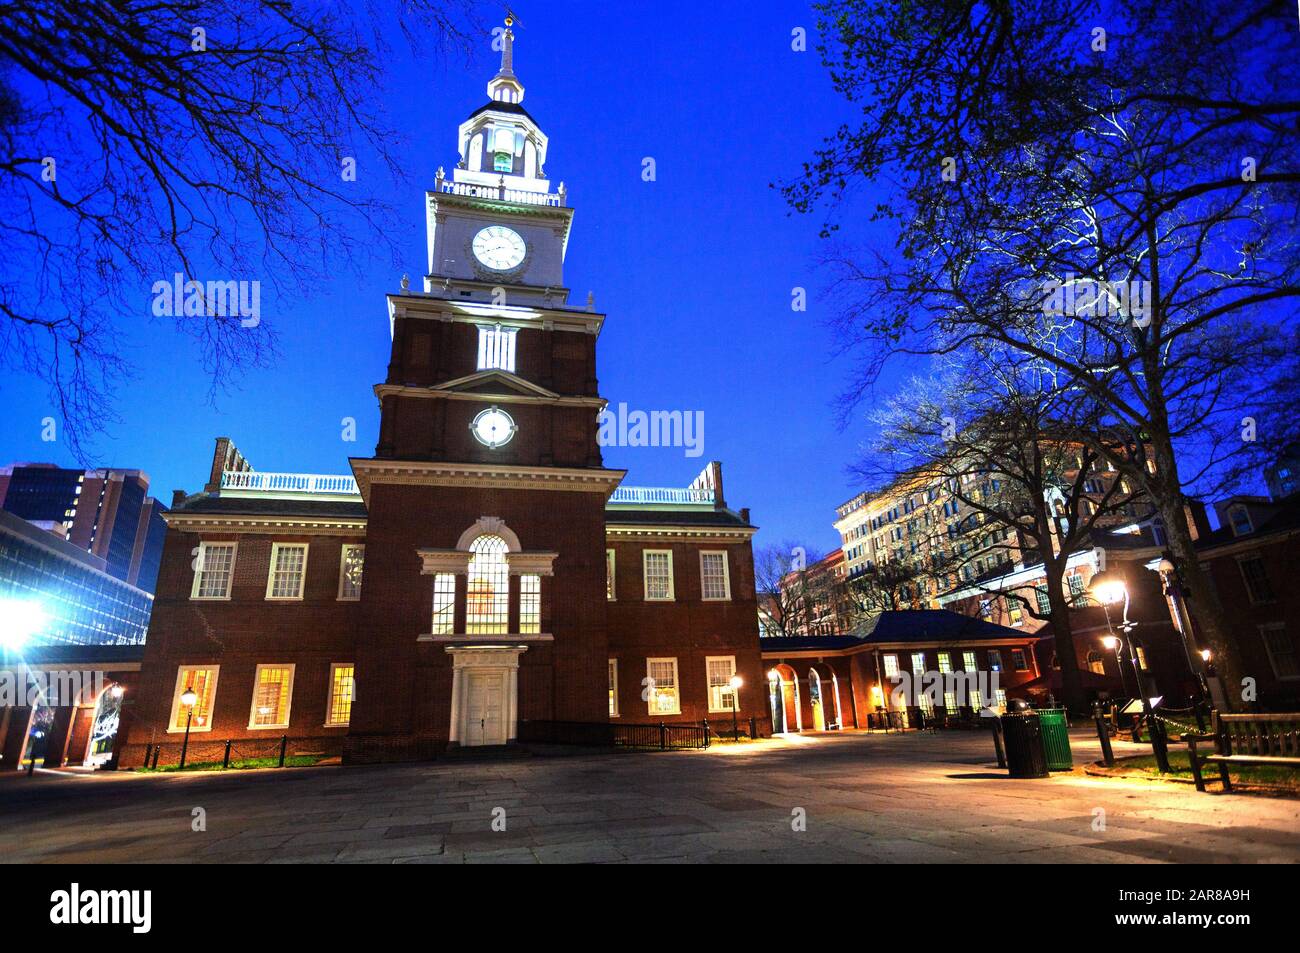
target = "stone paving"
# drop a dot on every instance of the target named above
(866, 798)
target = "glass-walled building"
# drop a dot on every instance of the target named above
(65, 592)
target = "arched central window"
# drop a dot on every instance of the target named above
(487, 609)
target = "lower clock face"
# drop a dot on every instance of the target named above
(499, 248)
(493, 427)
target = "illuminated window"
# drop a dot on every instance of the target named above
(1001, 695)
(714, 578)
(968, 662)
(272, 690)
(214, 566)
(351, 564)
(1043, 599)
(1014, 612)
(288, 567)
(1096, 664)
(487, 604)
(1141, 651)
(613, 688)
(530, 604)
(918, 663)
(444, 604)
(204, 682)
(973, 699)
(720, 670)
(950, 702)
(658, 565)
(342, 692)
(1018, 660)
(925, 702)
(891, 666)
(661, 686)
(1077, 595)
(609, 574)
(945, 662)
(995, 660)
(496, 348)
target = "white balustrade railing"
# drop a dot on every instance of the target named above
(500, 192)
(661, 494)
(322, 483)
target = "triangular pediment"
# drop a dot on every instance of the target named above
(495, 382)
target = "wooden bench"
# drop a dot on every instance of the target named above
(1271, 739)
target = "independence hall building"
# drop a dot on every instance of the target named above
(484, 569)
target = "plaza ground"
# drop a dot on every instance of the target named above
(866, 798)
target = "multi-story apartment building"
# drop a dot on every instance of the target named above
(107, 512)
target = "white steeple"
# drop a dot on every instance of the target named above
(505, 87)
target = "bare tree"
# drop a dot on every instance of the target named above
(795, 593)
(207, 138)
(1026, 482)
(1107, 192)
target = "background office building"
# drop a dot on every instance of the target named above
(63, 593)
(107, 513)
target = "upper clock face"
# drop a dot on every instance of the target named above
(499, 248)
(493, 427)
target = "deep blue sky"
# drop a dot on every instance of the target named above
(695, 270)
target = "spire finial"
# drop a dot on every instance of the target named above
(507, 45)
(505, 87)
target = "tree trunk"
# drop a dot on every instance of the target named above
(1066, 656)
(1209, 622)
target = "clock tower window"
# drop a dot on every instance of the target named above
(496, 348)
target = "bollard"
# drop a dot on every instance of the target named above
(753, 728)
(148, 750)
(1103, 735)
(663, 736)
(284, 744)
(225, 761)
(1160, 743)
(156, 752)
(997, 743)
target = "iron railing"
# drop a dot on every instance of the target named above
(334, 484)
(662, 736)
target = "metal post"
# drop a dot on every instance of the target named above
(148, 750)
(185, 745)
(225, 761)
(1103, 735)
(997, 743)
(284, 745)
(753, 728)
(663, 736)
(735, 728)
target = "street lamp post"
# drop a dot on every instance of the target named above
(1112, 642)
(736, 682)
(1108, 589)
(188, 698)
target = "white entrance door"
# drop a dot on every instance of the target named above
(485, 716)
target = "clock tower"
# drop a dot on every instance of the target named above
(485, 601)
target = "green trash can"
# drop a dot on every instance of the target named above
(1056, 739)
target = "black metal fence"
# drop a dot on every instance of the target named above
(275, 751)
(662, 736)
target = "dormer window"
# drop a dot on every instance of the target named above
(496, 348)
(1240, 518)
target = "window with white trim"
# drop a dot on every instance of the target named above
(662, 695)
(995, 660)
(214, 568)
(715, 580)
(945, 662)
(1255, 577)
(918, 663)
(1018, 660)
(530, 604)
(609, 575)
(338, 708)
(496, 348)
(272, 693)
(1281, 650)
(720, 670)
(203, 680)
(950, 702)
(487, 603)
(613, 688)
(968, 662)
(351, 563)
(288, 569)
(444, 603)
(658, 565)
(891, 666)
(973, 699)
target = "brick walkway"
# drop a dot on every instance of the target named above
(867, 798)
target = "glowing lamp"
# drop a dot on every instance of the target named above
(117, 691)
(1205, 655)
(736, 681)
(1107, 588)
(189, 697)
(19, 621)
(1110, 641)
